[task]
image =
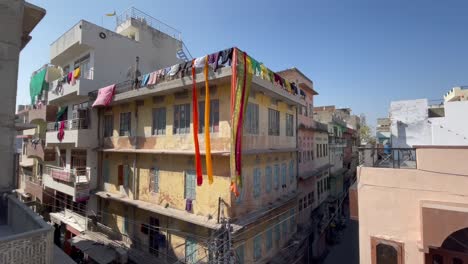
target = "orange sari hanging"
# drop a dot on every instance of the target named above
(209, 166)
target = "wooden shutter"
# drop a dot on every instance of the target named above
(120, 175)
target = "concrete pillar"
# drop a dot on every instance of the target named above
(68, 158)
(11, 16)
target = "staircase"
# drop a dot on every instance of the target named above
(183, 53)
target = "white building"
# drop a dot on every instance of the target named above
(139, 45)
(416, 122)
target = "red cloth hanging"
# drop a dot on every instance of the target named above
(195, 128)
(61, 132)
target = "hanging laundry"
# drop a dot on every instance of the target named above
(38, 84)
(240, 89)
(287, 85)
(199, 62)
(174, 70)
(144, 80)
(255, 65)
(209, 165)
(73, 80)
(105, 95)
(212, 58)
(69, 77)
(185, 68)
(76, 73)
(293, 88)
(278, 79)
(61, 132)
(152, 78)
(195, 128)
(225, 57)
(265, 73)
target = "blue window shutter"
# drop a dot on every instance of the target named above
(257, 247)
(106, 172)
(268, 179)
(126, 175)
(269, 239)
(242, 191)
(240, 254)
(190, 185)
(190, 251)
(277, 172)
(291, 172)
(283, 174)
(257, 183)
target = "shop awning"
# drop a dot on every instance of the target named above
(99, 252)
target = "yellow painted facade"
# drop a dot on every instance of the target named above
(145, 155)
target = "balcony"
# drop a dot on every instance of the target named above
(45, 113)
(397, 158)
(71, 44)
(36, 149)
(76, 132)
(34, 188)
(24, 236)
(74, 182)
(84, 84)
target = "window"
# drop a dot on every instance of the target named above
(273, 122)
(277, 234)
(159, 121)
(181, 119)
(257, 247)
(126, 169)
(125, 223)
(284, 223)
(292, 219)
(214, 116)
(125, 124)
(251, 120)
(311, 197)
(108, 125)
(289, 125)
(269, 180)
(276, 176)
(190, 183)
(300, 155)
(300, 205)
(269, 239)
(85, 67)
(105, 170)
(154, 180)
(120, 175)
(326, 149)
(318, 150)
(291, 172)
(257, 183)
(328, 183)
(190, 251)
(305, 203)
(386, 252)
(283, 174)
(240, 254)
(312, 154)
(318, 188)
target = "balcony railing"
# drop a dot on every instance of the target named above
(72, 124)
(86, 74)
(76, 176)
(133, 13)
(398, 158)
(34, 187)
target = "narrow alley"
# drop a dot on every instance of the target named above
(347, 251)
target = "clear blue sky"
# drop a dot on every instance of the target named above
(359, 53)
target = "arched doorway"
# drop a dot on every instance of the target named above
(454, 250)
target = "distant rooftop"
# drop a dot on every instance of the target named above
(134, 13)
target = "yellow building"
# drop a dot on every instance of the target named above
(147, 181)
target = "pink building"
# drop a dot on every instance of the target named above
(313, 168)
(412, 205)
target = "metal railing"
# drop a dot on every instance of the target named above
(398, 158)
(72, 124)
(141, 16)
(77, 175)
